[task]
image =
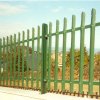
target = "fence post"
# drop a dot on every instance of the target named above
(44, 57)
(0, 58)
(91, 57)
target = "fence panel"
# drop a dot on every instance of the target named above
(17, 71)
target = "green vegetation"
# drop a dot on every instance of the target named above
(67, 73)
(77, 64)
(77, 58)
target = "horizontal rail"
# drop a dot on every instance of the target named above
(60, 81)
(53, 34)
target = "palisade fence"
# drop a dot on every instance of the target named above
(22, 65)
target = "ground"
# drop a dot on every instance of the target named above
(20, 94)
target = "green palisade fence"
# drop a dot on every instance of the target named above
(11, 61)
(14, 64)
(72, 54)
(82, 31)
(24, 64)
(49, 56)
(64, 54)
(7, 62)
(23, 38)
(38, 50)
(91, 63)
(56, 56)
(0, 59)
(32, 83)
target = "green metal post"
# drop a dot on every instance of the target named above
(32, 83)
(7, 62)
(19, 59)
(72, 53)
(11, 60)
(81, 52)
(23, 39)
(0, 59)
(56, 56)
(91, 59)
(27, 58)
(38, 54)
(4, 57)
(64, 54)
(14, 59)
(49, 56)
(44, 52)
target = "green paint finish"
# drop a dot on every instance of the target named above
(18, 69)
(7, 54)
(7, 62)
(92, 40)
(23, 38)
(0, 59)
(77, 82)
(11, 60)
(32, 79)
(49, 55)
(44, 52)
(47, 60)
(82, 31)
(4, 59)
(27, 58)
(64, 54)
(38, 63)
(72, 53)
(14, 59)
(56, 55)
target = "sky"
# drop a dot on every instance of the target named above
(19, 15)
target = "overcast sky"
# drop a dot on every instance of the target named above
(16, 16)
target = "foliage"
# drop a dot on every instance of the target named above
(13, 54)
(77, 65)
(77, 58)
